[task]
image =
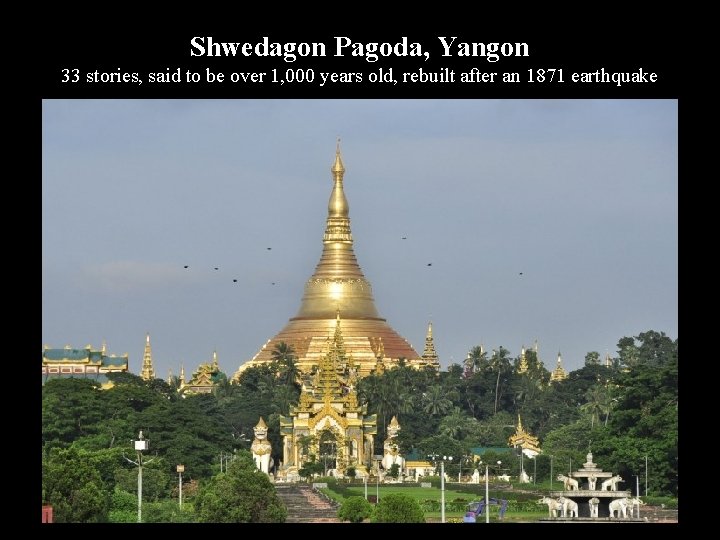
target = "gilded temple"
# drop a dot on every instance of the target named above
(328, 423)
(338, 284)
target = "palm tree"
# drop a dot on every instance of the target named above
(475, 359)
(435, 402)
(455, 424)
(283, 356)
(498, 361)
(596, 404)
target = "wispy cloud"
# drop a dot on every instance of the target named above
(135, 276)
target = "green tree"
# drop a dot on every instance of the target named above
(355, 509)
(592, 358)
(435, 402)
(74, 488)
(283, 355)
(476, 358)
(123, 507)
(394, 471)
(398, 508)
(241, 495)
(71, 408)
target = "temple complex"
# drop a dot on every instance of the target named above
(87, 363)
(338, 284)
(328, 421)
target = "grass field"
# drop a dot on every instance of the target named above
(455, 501)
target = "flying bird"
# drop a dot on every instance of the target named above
(185, 266)
(234, 280)
(429, 264)
(269, 249)
(216, 268)
(404, 237)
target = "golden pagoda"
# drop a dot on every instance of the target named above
(328, 420)
(558, 374)
(338, 283)
(430, 356)
(523, 365)
(529, 443)
(148, 372)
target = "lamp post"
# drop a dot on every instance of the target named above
(646, 475)
(180, 470)
(442, 487)
(140, 445)
(377, 485)
(487, 490)
(365, 478)
(637, 491)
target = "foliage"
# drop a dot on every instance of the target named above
(623, 413)
(394, 471)
(398, 508)
(123, 507)
(73, 487)
(355, 510)
(242, 494)
(156, 481)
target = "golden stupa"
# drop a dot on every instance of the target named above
(339, 288)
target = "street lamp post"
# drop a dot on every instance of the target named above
(487, 490)
(180, 470)
(637, 491)
(140, 445)
(646, 474)
(442, 487)
(551, 471)
(365, 478)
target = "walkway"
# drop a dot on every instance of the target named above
(304, 505)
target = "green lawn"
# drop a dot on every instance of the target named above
(422, 495)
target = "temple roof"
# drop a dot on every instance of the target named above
(69, 355)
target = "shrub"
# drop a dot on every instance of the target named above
(355, 509)
(398, 508)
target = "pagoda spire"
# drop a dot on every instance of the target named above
(523, 365)
(429, 354)
(148, 372)
(559, 374)
(182, 375)
(338, 282)
(215, 364)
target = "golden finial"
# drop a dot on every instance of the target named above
(338, 168)
(429, 332)
(103, 347)
(215, 360)
(182, 373)
(261, 423)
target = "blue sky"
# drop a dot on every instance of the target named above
(578, 195)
